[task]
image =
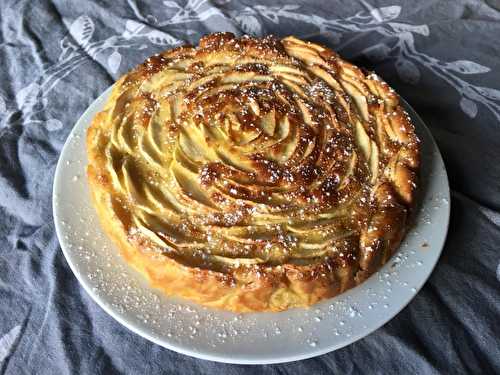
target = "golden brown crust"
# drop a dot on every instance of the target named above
(253, 174)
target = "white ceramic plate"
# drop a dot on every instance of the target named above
(249, 338)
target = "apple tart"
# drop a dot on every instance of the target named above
(253, 174)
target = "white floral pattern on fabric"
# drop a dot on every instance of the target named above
(402, 50)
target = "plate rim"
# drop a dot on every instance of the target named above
(106, 306)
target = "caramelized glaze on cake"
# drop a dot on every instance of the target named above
(253, 174)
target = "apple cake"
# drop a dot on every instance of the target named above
(253, 174)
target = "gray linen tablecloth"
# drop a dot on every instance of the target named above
(56, 57)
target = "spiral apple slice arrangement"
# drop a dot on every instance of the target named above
(272, 165)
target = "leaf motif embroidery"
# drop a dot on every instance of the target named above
(386, 13)
(28, 96)
(291, 7)
(467, 67)
(407, 71)
(489, 92)
(403, 27)
(67, 48)
(249, 24)
(133, 26)
(7, 342)
(82, 30)
(171, 4)
(161, 38)
(469, 107)
(114, 61)
(264, 12)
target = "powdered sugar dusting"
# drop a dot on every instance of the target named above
(194, 329)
